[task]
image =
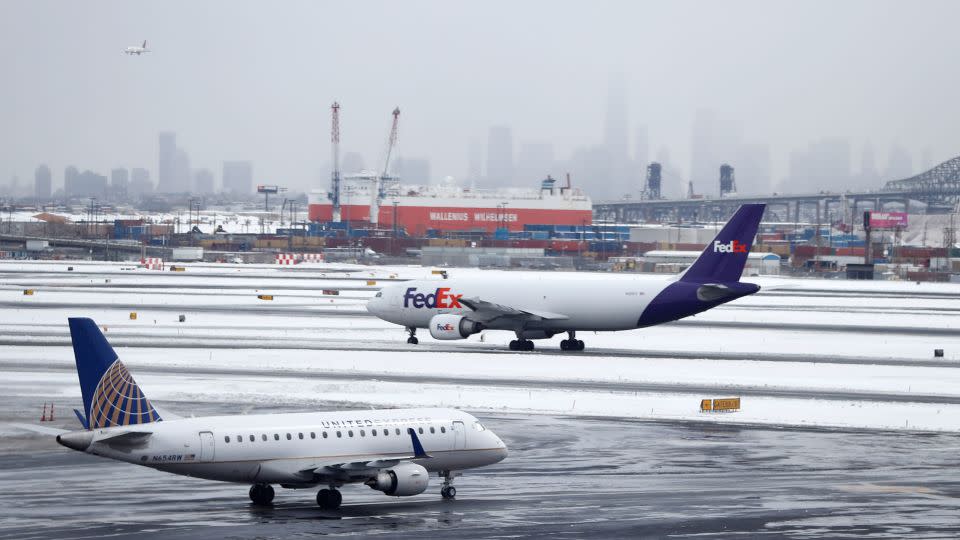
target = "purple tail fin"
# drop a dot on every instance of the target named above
(724, 258)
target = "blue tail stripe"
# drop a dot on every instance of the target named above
(723, 259)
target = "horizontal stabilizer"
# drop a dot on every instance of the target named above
(126, 439)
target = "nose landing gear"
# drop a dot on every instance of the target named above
(447, 491)
(413, 335)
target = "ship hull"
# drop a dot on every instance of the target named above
(416, 220)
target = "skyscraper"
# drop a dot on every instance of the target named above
(42, 183)
(87, 184)
(823, 166)
(181, 172)
(119, 183)
(752, 162)
(499, 158)
(899, 163)
(140, 183)
(641, 158)
(70, 175)
(616, 140)
(474, 163)
(704, 161)
(238, 177)
(412, 170)
(869, 176)
(166, 170)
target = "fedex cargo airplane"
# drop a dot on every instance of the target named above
(391, 450)
(539, 306)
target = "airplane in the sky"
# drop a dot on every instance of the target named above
(391, 450)
(137, 50)
(539, 306)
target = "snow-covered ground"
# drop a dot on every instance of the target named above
(802, 352)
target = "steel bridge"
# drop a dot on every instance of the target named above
(934, 191)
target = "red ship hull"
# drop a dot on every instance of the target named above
(416, 220)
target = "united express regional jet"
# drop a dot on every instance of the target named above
(133, 49)
(539, 306)
(390, 450)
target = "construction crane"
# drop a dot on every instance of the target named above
(379, 188)
(334, 194)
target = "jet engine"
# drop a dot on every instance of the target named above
(453, 327)
(401, 481)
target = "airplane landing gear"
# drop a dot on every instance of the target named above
(521, 345)
(571, 344)
(329, 499)
(447, 491)
(261, 494)
(413, 335)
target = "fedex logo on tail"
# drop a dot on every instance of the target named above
(440, 299)
(735, 246)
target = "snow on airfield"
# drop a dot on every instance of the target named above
(279, 351)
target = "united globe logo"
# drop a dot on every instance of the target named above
(118, 401)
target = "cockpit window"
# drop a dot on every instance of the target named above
(478, 426)
(379, 294)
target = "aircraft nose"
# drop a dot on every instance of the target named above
(500, 449)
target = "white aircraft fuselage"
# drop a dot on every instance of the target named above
(287, 448)
(613, 303)
(391, 450)
(540, 305)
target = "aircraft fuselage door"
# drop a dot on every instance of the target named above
(207, 447)
(459, 435)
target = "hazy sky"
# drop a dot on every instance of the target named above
(254, 80)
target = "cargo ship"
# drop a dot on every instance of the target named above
(385, 203)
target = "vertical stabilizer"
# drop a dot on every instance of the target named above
(110, 395)
(723, 259)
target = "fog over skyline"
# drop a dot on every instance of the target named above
(254, 81)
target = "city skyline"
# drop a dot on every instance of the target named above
(587, 97)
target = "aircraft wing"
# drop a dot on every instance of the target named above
(484, 311)
(363, 465)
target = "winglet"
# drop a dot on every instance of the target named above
(417, 447)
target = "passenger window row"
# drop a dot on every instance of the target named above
(350, 433)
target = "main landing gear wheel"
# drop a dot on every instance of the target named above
(571, 345)
(412, 340)
(448, 492)
(413, 335)
(521, 345)
(261, 494)
(329, 499)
